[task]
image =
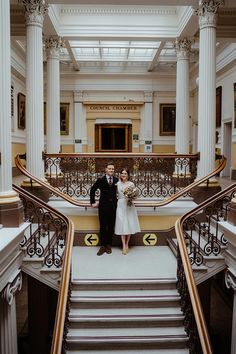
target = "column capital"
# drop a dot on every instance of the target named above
(183, 47)
(34, 11)
(78, 96)
(207, 12)
(53, 44)
(230, 279)
(11, 288)
(148, 96)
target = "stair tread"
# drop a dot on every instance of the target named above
(160, 311)
(105, 333)
(127, 351)
(123, 293)
(146, 280)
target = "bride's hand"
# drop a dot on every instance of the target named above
(95, 205)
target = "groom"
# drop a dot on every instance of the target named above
(106, 207)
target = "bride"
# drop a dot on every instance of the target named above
(126, 215)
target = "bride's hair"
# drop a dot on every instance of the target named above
(126, 170)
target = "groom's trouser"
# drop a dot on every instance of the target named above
(107, 216)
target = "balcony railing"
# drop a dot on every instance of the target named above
(155, 175)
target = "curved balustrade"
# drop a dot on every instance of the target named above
(46, 221)
(139, 202)
(155, 175)
(202, 220)
(190, 300)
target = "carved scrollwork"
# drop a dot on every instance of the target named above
(207, 12)
(230, 280)
(34, 11)
(10, 290)
(183, 47)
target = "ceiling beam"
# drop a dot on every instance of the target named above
(114, 46)
(156, 56)
(72, 57)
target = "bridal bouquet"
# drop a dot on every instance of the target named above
(130, 194)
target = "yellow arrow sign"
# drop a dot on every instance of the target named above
(149, 239)
(91, 239)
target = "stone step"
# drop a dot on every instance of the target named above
(125, 301)
(124, 284)
(130, 351)
(127, 338)
(126, 317)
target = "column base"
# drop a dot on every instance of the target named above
(182, 180)
(203, 192)
(232, 213)
(36, 189)
(12, 214)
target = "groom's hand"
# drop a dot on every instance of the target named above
(95, 205)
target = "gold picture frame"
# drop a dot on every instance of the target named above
(21, 110)
(64, 118)
(167, 119)
(218, 106)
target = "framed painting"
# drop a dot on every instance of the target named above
(21, 110)
(167, 119)
(218, 106)
(64, 118)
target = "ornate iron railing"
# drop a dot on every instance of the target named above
(45, 220)
(46, 236)
(199, 236)
(187, 308)
(202, 232)
(155, 175)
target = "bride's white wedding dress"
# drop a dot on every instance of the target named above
(126, 216)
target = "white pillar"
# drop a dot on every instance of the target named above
(148, 98)
(53, 45)
(7, 195)
(207, 13)
(183, 47)
(79, 122)
(8, 330)
(34, 14)
(230, 280)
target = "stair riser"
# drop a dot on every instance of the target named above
(126, 324)
(115, 345)
(125, 304)
(128, 286)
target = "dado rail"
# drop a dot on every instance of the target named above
(155, 175)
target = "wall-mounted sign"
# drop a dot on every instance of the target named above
(149, 239)
(91, 239)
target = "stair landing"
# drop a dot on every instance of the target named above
(140, 263)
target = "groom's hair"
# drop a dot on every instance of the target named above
(109, 163)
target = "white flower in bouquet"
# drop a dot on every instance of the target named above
(130, 193)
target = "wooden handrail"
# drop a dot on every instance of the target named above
(193, 292)
(60, 317)
(139, 203)
(61, 306)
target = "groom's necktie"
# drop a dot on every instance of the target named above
(110, 180)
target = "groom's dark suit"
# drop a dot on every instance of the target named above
(106, 208)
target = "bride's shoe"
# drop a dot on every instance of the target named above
(124, 251)
(127, 250)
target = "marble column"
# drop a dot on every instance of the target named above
(230, 281)
(34, 15)
(53, 45)
(79, 122)
(8, 197)
(183, 47)
(207, 13)
(148, 99)
(8, 330)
